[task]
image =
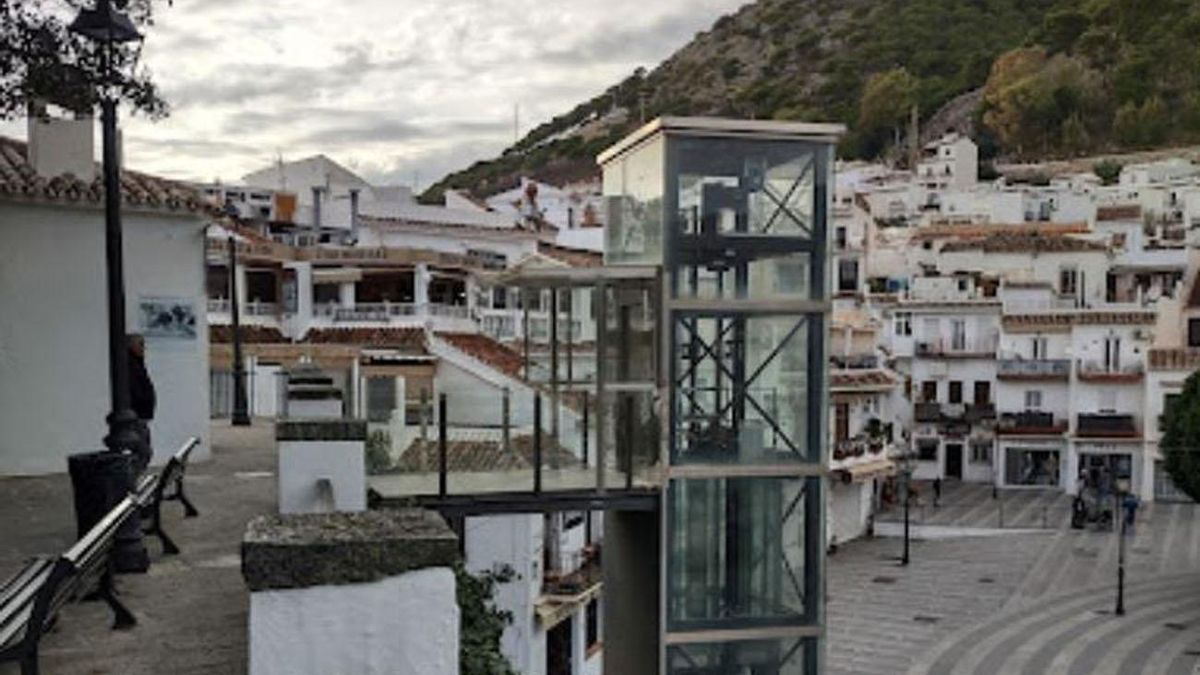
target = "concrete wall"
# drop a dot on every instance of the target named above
(514, 541)
(631, 593)
(403, 624)
(53, 342)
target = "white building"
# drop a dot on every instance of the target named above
(54, 384)
(952, 161)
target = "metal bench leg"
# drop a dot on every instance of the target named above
(156, 528)
(29, 663)
(189, 509)
(122, 618)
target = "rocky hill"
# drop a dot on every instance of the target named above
(1028, 78)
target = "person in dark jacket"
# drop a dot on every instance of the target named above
(142, 399)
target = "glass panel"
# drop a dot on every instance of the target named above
(741, 389)
(745, 218)
(630, 344)
(630, 435)
(737, 551)
(633, 186)
(793, 656)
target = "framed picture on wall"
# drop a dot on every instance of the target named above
(167, 318)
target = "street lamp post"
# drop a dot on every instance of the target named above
(241, 415)
(102, 479)
(1120, 609)
(907, 499)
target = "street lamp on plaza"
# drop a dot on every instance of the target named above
(107, 26)
(906, 471)
(1122, 491)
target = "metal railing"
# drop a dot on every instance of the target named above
(219, 305)
(956, 347)
(1093, 368)
(1106, 424)
(1033, 368)
(1030, 422)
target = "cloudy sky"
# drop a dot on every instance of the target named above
(396, 90)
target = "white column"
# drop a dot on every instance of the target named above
(421, 278)
(472, 294)
(346, 294)
(240, 271)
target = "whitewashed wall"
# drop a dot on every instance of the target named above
(53, 341)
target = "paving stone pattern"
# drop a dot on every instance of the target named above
(1019, 602)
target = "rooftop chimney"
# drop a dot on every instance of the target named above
(316, 208)
(354, 214)
(59, 146)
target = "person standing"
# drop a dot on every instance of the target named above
(1131, 504)
(142, 399)
(937, 492)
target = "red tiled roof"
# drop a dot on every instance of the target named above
(1024, 243)
(484, 348)
(1119, 212)
(993, 229)
(863, 378)
(483, 455)
(223, 334)
(1185, 358)
(575, 257)
(412, 339)
(1063, 320)
(138, 190)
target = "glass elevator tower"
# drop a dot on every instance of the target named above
(735, 214)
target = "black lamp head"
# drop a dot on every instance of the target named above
(105, 23)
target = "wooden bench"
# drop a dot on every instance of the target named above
(166, 486)
(30, 600)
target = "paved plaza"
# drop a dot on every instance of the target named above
(1035, 597)
(1022, 600)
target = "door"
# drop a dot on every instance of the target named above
(841, 426)
(954, 460)
(558, 649)
(983, 393)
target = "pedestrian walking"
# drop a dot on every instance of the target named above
(937, 492)
(142, 399)
(1131, 504)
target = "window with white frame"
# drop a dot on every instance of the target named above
(1039, 348)
(981, 452)
(1033, 400)
(902, 324)
(1068, 281)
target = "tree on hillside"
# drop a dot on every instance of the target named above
(41, 61)
(1180, 443)
(884, 108)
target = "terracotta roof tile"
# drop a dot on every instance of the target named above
(138, 190)
(464, 455)
(861, 379)
(411, 339)
(983, 231)
(487, 350)
(1024, 243)
(1119, 212)
(575, 257)
(1051, 320)
(223, 334)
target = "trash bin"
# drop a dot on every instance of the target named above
(100, 480)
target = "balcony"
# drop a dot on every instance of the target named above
(956, 349)
(1033, 369)
(218, 305)
(1106, 425)
(256, 308)
(927, 412)
(859, 446)
(585, 578)
(980, 412)
(1030, 423)
(386, 312)
(1095, 371)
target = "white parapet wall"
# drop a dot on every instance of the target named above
(322, 465)
(352, 594)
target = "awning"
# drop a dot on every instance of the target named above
(336, 275)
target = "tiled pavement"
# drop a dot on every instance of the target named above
(191, 608)
(1019, 602)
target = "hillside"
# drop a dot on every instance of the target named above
(1036, 79)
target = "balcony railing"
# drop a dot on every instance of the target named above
(1030, 422)
(927, 412)
(978, 412)
(374, 311)
(1096, 371)
(956, 349)
(448, 311)
(859, 446)
(588, 575)
(1106, 425)
(1033, 369)
(218, 305)
(256, 308)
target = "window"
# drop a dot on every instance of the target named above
(840, 236)
(927, 449)
(499, 297)
(902, 324)
(1039, 348)
(956, 392)
(1194, 332)
(929, 391)
(1112, 354)
(1033, 400)
(983, 393)
(958, 335)
(981, 453)
(1031, 467)
(1068, 281)
(841, 425)
(847, 276)
(593, 625)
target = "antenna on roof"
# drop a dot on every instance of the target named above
(279, 165)
(516, 123)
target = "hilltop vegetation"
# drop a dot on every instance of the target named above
(1058, 78)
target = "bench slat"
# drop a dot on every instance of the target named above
(105, 528)
(183, 452)
(20, 605)
(21, 579)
